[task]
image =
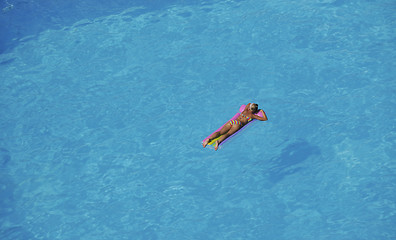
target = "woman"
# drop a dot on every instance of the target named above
(234, 125)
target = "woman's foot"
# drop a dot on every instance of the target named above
(217, 145)
(205, 142)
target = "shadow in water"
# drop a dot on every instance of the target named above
(16, 233)
(7, 208)
(11, 230)
(5, 157)
(288, 162)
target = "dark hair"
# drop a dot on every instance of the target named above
(253, 107)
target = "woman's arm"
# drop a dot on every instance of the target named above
(263, 118)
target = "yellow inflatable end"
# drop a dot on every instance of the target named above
(213, 141)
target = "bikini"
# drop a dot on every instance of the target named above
(248, 118)
(232, 122)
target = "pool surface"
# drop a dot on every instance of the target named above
(103, 108)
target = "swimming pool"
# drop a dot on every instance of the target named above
(102, 118)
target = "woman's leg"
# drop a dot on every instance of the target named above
(222, 131)
(231, 131)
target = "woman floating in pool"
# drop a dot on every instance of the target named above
(234, 125)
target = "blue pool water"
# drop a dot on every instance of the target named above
(102, 114)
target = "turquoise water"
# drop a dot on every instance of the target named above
(102, 120)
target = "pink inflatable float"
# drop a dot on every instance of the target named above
(211, 143)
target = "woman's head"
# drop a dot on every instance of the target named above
(253, 107)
